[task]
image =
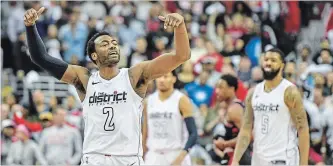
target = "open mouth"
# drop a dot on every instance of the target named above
(113, 53)
(268, 69)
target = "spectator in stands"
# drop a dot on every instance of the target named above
(290, 72)
(7, 138)
(10, 100)
(61, 142)
(46, 118)
(211, 53)
(185, 76)
(200, 92)
(5, 111)
(73, 37)
(215, 33)
(24, 151)
(198, 50)
(208, 65)
(304, 55)
(52, 43)
(39, 101)
(244, 69)
(53, 103)
(256, 76)
(138, 54)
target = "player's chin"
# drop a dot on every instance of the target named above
(113, 60)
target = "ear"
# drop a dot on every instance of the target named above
(174, 79)
(94, 56)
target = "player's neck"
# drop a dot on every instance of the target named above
(271, 84)
(108, 73)
(231, 99)
(165, 95)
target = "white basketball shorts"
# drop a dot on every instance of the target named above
(165, 158)
(99, 159)
(291, 159)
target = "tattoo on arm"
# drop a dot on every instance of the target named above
(293, 99)
(244, 136)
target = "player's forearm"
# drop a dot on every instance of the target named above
(182, 43)
(304, 145)
(243, 141)
(40, 57)
(193, 134)
(231, 143)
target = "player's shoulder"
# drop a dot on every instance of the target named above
(287, 83)
(179, 93)
(151, 97)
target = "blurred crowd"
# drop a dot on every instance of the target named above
(225, 37)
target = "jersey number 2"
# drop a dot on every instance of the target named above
(264, 124)
(108, 125)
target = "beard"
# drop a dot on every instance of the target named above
(109, 61)
(270, 75)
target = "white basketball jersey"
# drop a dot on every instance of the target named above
(316, 119)
(112, 114)
(275, 135)
(166, 126)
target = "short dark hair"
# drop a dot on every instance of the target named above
(325, 49)
(174, 73)
(231, 80)
(91, 44)
(276, 50)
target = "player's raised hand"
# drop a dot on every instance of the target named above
(172, 20)
(31, 16)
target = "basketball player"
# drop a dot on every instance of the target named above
(111, 97)
(226, 92)
(165, 111)
(275, 110)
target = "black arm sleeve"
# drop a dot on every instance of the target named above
(39, 56)
(193, 134)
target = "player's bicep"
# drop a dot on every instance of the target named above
(162, 65)
(293, 100)
(185, 107)
(235, 113)
(248, 115)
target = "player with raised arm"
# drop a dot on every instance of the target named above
(274, 110)
(111, 97)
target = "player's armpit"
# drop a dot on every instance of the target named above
(244, 136)
(77, 76)
(293, 100)
(185, 107)
(138, 81)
